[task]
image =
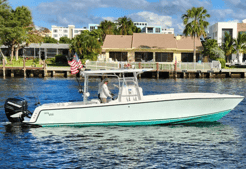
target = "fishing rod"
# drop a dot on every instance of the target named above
(80, 87)
(37, 102)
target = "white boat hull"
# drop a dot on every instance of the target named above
(151, 110)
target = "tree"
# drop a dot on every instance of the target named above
(135, 29)
(228, 45)
(125, 26)
(44, 30)
(33, 38)
(23, 18)
(50, 40)
(98, 34)
(239, 44)
(195, 24)
(86, 46)
(208, 46)
(108, 28)
(5, 15)
(65, 40)
(218, 53)
(15, 26)
(5, 19)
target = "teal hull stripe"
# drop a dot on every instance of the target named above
(205, 118)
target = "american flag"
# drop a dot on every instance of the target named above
(75, 64)
(79, 64)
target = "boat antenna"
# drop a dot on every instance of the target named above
(37, 102)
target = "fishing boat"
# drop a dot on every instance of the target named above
(130, 108)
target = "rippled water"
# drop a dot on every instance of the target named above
(213, 145)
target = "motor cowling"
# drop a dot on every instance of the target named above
(16, 109)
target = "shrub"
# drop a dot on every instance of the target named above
(60, 59)
(222, 61)
(50, 61)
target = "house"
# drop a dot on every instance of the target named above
(151, 47)
(218, 30)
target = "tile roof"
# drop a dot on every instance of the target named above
(188, 43)
(154, 41)
(118, 41)
(163, 41)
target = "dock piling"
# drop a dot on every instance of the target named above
(24, 67)
(12, 73)
(4, 73)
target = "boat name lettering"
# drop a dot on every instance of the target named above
(50, 114)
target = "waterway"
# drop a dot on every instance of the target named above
(214, 145)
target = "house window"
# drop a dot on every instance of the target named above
(118, 56)
(55, 35)
(170, 33)
(76, 31)
(55, 30)
(163, 57)
(188, 57)
(150, 30)
(65, 35)
(92, 28)
(143, 56)
(157, 30)
(244, 57)
(65, 31)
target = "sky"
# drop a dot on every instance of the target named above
(165, 13)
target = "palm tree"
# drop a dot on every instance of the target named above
(107, 27)
(240, 45)
(195, 24)
(125, 26)
(228, 45)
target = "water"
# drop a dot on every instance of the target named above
(213, 145)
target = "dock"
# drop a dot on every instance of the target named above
(155, 73)
(158, 70)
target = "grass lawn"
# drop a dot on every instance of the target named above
(19, 63)
(234, 67)
(30, 63)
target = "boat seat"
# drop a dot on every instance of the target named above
(95, 101)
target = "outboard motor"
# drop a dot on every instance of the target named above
(16, 109)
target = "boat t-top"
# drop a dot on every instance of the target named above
(130, 108)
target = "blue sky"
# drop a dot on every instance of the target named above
(166, 13)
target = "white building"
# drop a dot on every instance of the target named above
(145, 28)
(168, 31)
(217, 31)
(70, 31)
